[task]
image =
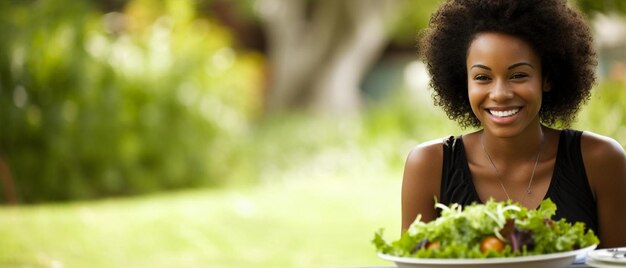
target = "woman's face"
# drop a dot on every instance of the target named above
(504, 83)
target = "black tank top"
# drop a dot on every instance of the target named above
(569, 188)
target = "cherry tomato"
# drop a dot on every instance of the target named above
(491, 243)
(433, 245)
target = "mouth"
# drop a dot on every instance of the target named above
(504, 113)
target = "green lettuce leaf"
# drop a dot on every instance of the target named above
(459, 232)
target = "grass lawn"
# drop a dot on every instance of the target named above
(301, 223)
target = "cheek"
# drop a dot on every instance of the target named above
(532, 92)
(475, 97)
(475, 93)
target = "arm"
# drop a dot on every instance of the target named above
(605, 163)
(421, 182)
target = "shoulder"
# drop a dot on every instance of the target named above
(604, 159)
(599, 148)
(427, 151)
(423, 166)
(605, 164)
(421, 181)
(426, 159)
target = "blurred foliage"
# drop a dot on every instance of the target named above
(98, 104)
(601, 6)
(411, 17)
(414, 17)
(606, 111)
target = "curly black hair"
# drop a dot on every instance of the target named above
(557, 32)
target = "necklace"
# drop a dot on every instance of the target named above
(532, 175)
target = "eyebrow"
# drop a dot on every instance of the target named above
(510, 67)
(519, 64)
(481, 66)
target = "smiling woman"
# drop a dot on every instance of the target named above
(501, 67)
(519, 71)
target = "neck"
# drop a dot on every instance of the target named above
(521, 147)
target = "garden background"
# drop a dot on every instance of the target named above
(216, 133)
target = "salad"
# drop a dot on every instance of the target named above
(493, 229)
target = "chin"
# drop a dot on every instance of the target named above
(503, 131)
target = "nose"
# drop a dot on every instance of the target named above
(500, 92)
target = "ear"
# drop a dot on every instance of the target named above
(546, 85)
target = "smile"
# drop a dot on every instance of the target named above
(504, 113)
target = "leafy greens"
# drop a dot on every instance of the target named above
(459, 232)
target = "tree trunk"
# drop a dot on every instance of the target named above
(318, 54)
(7, 182)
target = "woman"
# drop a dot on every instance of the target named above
(517, 70)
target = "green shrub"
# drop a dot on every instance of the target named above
(96, 105)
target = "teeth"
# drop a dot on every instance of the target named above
(504, 113)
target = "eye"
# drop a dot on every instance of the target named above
(481, 77)
(519, 75)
